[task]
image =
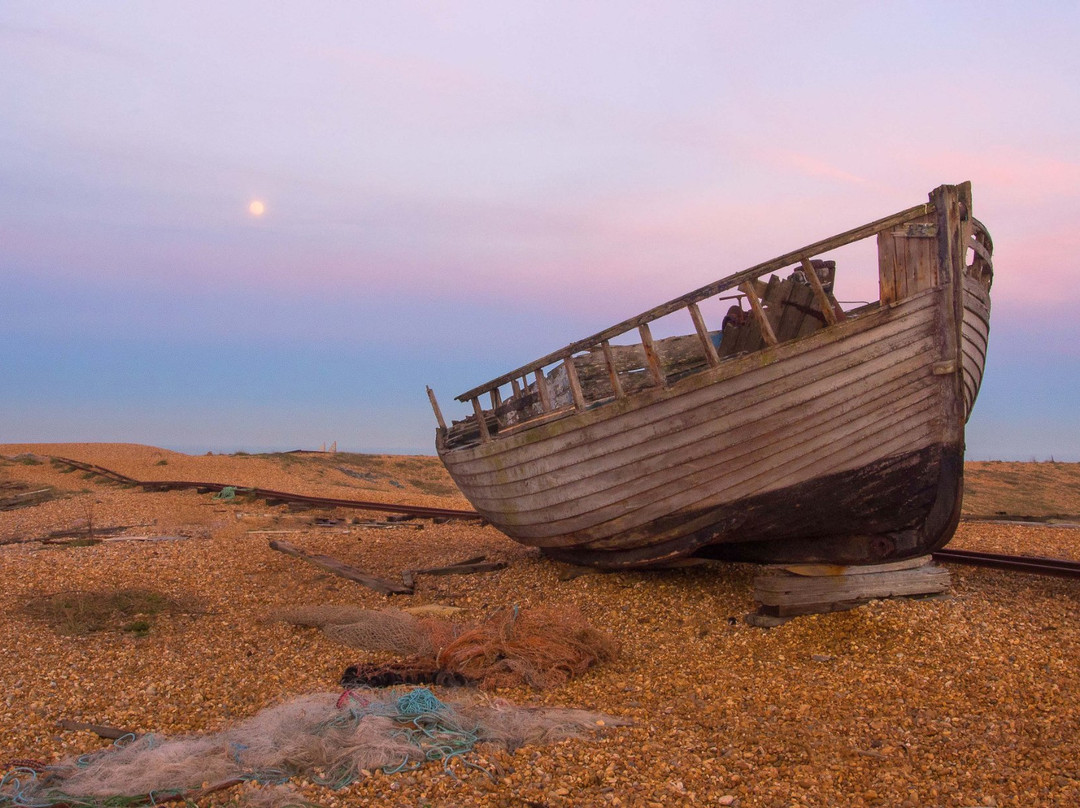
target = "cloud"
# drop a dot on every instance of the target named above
(1008, 173)
(810, 166)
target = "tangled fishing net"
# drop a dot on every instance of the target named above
(542, 647)
(327, 738)
(375, 630)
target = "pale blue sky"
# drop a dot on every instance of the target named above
(454, 189)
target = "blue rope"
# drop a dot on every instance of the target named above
(13, 792)
(418, 702)
(424, 722)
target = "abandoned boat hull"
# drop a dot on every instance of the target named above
(845, 446)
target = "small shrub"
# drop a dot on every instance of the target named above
(162, 462)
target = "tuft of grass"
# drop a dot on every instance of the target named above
(84, 542)
(359, 461)
(432, 486)
(78, 613)
(162, 462)
(28, 460)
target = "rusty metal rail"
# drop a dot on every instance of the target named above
(1033, 564)
(1059, 567)
(269, 494)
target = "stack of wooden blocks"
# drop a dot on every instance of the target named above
(784, 592)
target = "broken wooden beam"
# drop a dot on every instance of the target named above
(463, 569)
(112, 733)
(374, 524)
(25, 498)
(466, 567)
(340, 568)
(479, 564)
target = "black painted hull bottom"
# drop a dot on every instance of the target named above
(904, 506)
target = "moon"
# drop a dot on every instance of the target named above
(256, 208)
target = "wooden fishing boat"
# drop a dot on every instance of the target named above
(798, 431)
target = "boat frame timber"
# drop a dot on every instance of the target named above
(844, 445)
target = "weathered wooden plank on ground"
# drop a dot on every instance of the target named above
(112, 733)
(340, 568)
(24, 498)
(466, 567)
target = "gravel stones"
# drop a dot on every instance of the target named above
(960, 702)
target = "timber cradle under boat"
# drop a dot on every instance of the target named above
(797, 431)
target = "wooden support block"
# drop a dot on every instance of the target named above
(821, 570)
(812, 589)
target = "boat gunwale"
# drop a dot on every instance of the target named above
(704, 292)
(610, 407)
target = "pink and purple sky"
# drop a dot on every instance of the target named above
(452, 190)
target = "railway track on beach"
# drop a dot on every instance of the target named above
(1037, 565)
(270, 495)
(1059, 567)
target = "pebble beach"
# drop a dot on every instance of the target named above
(962, 701)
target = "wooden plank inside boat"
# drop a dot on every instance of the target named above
(908, 259)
